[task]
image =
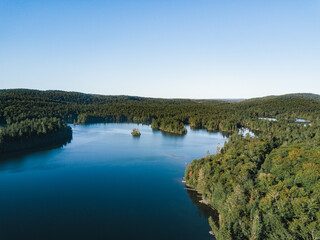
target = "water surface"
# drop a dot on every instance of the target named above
(106, 184)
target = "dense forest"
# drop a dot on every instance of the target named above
(264, 187)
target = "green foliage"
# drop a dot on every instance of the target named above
(292, 195)
(169, 125)
(264, 187)
(32, 133)
(135, 132)
(29, 128)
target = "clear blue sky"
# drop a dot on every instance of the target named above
(165, 48)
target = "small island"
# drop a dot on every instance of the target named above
(135, 132)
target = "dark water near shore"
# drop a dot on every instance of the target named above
(106, 184)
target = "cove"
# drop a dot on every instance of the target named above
(106, 184)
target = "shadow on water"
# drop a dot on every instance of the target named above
(175, 135)
(29, 146)
(203, 209)
(223, 133)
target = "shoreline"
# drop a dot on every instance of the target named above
(204, 201)
(201, 201)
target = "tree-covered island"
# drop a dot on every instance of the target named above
(135, 132)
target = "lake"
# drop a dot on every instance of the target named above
(106, 184)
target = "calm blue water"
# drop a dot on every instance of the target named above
(106, 184)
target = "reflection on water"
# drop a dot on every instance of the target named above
(269, 119)
(299, 120)
(203, 209)
(245, 131)
(17, 158)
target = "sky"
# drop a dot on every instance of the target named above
(162, 48)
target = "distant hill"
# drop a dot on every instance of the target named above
(285, 99)
(292, 96)
(78, 97)
(22, 102)
(83, 98)
(298, 103)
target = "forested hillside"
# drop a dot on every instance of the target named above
(266, 187)
(285, 107)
